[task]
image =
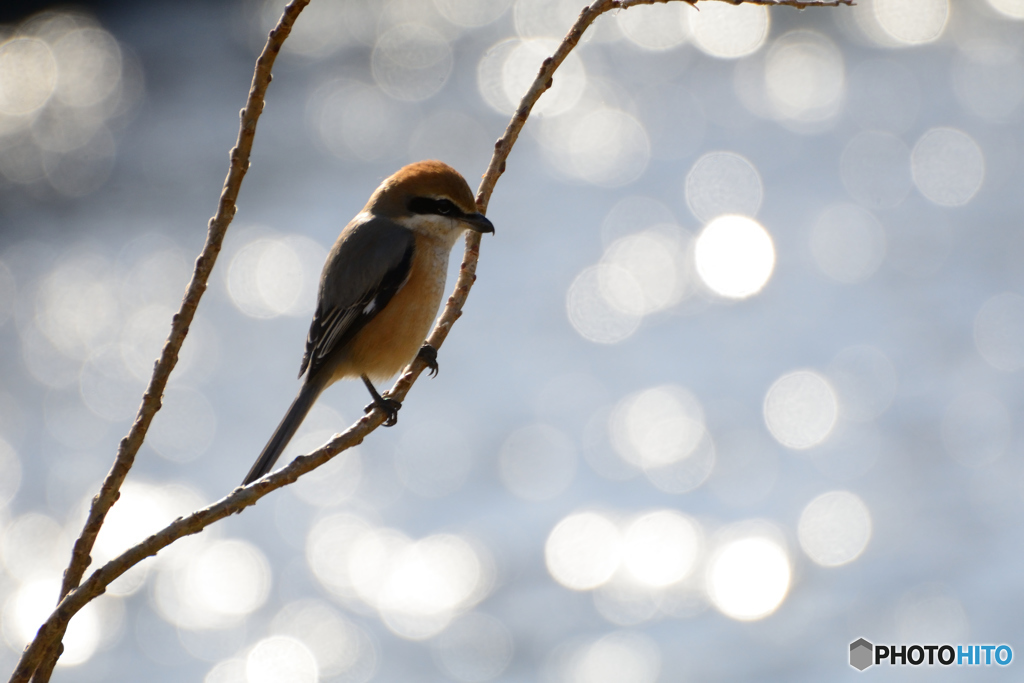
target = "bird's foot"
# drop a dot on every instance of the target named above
(389, 405)
(428, 354)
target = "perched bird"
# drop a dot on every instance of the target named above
(380, 290)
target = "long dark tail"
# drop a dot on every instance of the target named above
(285, 431)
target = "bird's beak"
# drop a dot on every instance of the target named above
(478, 222)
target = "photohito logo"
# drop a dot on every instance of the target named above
(863, 654)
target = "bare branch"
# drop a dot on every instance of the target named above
(151, 400)
(502, 148)
(238, 500)
(799, 4)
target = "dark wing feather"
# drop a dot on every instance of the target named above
(369, 263)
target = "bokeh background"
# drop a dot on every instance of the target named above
(739, 381)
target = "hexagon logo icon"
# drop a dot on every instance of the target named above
(861, 654)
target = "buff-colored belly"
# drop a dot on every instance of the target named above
(392, 339)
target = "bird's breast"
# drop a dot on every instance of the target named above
(393, 337)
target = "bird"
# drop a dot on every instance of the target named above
(380, 290)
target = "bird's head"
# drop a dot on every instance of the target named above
(429, 197)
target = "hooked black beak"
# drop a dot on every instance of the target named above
(478, 222)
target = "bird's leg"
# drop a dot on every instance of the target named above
(388, 405)
(428, 354)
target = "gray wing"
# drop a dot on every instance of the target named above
(368, 264)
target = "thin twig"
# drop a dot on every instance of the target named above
(237, 501)
(502, 148)
(73, 599)
(151, 400)
(799, 4)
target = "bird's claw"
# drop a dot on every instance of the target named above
(390, 406)
(428, 354)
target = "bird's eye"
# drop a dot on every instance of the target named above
(440, 207)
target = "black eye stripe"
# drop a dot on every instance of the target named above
(440, 207)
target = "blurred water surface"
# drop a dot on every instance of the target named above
(738, 383)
